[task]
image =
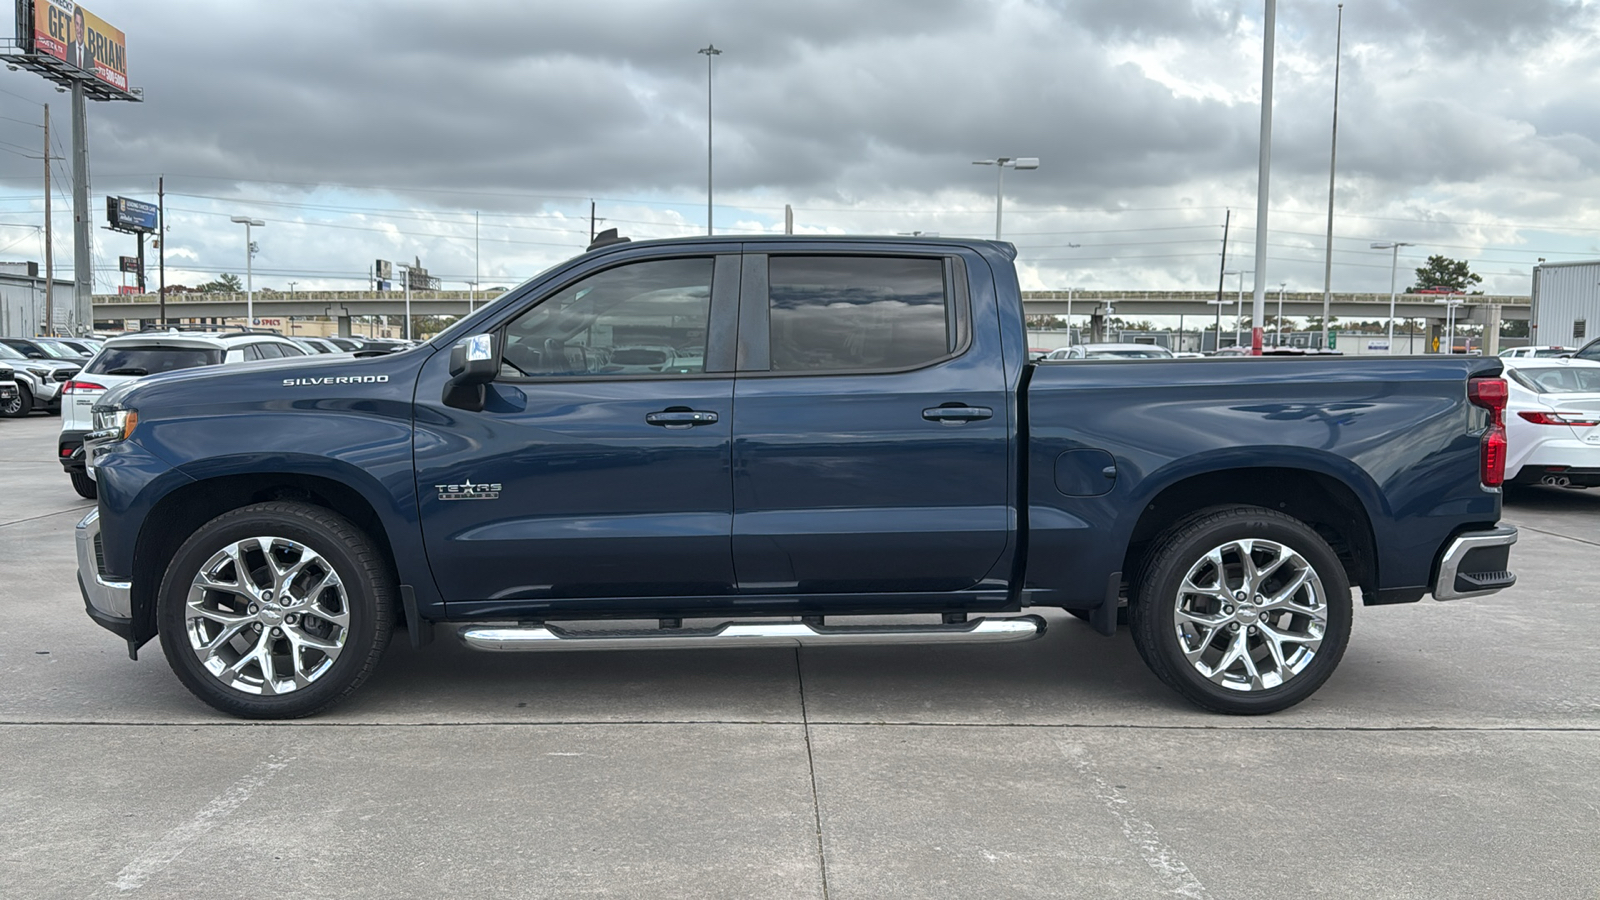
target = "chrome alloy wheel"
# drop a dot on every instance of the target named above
(1250, 614)
(267, 615)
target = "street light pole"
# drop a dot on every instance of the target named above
(1333, 157)
(249, 267)
(1394, 261)
(1001, 164)
(709, 50)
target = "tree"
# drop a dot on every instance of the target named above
(1442, 271)
(226, 283)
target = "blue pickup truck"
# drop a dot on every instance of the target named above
(781, 441)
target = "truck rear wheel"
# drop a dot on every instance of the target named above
(275, 611)
(1243, 611)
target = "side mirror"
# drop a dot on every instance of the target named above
(34, 354)
(474, 362)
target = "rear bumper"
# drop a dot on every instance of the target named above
(1475, 564)
(69, 450)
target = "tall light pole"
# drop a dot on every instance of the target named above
(1394, 261)
(709, 50)
(1264, 174)
(1001, 164)
(1333, 156)
(291, 287)
(1238, 308)
(249, 268)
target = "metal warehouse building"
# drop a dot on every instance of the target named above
(1566, 303)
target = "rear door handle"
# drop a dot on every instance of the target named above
(957, 414)
(681, 417)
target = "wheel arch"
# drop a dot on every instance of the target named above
(1325, 501)
(181, 512)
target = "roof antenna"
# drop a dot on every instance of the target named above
(605, 238)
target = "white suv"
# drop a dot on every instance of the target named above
(134, 356)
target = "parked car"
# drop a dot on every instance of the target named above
(46, 348)
(863, 436)
(39, 381)
(318, 345)
(1231, 351)
(1111, 351)
(1553, 422)
(9, 394)
(1589, 351)
(135, 356)
(1547, 352)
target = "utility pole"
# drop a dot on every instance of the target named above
(788, 219)
(161, 241)
(591, 221)
(1222, 273)
(49, 244)
(472, 298)
(82, 256)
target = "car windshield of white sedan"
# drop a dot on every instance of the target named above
(1558, 381)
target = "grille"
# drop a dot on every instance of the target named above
(63, 375)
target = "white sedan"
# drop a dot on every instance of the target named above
(1553, 422)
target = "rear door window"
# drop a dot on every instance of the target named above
(137, 361)
(859, 313)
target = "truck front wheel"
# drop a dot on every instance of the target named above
(1243, 611)
(276, 610)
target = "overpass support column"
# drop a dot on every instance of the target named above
(344, 326)
(1491, 332)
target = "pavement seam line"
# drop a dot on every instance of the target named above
(1559, 535)
(161, 854)
(1142, 835)
(59, 512)
(766, 723)
(811, 765)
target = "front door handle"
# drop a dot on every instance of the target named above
(955, 415)
(680, 417)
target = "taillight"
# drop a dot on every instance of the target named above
(1491, 394)
(81, 387)
(1580, 420)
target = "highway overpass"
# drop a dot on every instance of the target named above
(1130, 305)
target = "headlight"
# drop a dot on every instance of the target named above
(113, 424)
(43, 374)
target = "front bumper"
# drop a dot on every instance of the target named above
(107, 601)
(1474, 564)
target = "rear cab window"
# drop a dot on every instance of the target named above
(137, 360)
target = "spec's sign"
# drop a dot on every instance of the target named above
(130, 215)
(65, 30)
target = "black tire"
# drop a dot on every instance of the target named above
(363, 592)
(20, 406)
(84, 485)
(53, 409)
(1259, 684)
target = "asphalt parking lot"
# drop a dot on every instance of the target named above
(1455, 753)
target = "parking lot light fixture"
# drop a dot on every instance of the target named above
(1001, 164)
(1394, 261)
(249, 254)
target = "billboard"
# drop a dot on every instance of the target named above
(65, 30)
(123, 214)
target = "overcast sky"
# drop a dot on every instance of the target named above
(362, 130)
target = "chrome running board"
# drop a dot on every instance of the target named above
(512, 638)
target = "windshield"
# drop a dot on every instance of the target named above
(60, 351)
(7, 353)
(1558, 381)
(138, 361)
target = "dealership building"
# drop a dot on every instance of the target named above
(1566, 303)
